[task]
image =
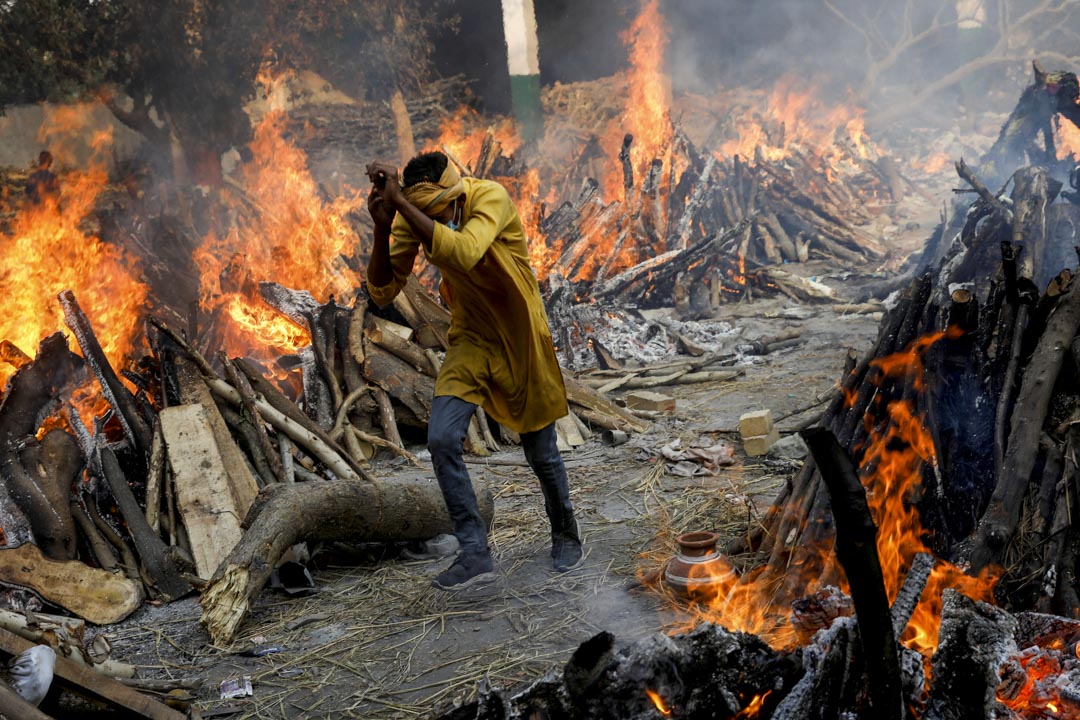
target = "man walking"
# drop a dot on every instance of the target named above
(501, 356)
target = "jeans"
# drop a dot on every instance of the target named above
(449, 422)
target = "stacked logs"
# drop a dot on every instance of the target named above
(999, 360)
(178, 469)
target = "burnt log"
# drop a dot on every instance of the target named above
(120, 398)
(856, 549)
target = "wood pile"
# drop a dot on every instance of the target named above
(999, 360)
(160, 497)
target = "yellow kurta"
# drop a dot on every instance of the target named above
(501, 355)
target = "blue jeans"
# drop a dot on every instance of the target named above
(450, 418)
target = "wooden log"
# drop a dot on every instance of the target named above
(99, 546)
(72, 675)
(999, 522)
(128, 562)
(403, 129)
(379, 332)
(580, 394)
(52, 465)
(98, 596)
(203, 496)
(193, 391)
(247, 396)
(119, 397)
(400, 380)
(159, 565)
(347, 511)
(856, 548)
(387, 419)
(16, 708)
(155, 476)
(430, 319)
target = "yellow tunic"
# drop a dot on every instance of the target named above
(501, 355)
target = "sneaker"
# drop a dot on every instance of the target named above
(566, 553)
(467, 570)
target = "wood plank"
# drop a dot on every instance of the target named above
(242, 485)
(15, 708)
(94, 684)
(203, 494)
(100, 596)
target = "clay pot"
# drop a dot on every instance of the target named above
(698, 571)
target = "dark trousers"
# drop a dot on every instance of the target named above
(450, 417)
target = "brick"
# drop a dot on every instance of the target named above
(645, 400)
(759, 444)
(758, 422)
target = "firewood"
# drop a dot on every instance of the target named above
(41, 476)
(159, 565)
(268, 454)
(247, 437)
(600, 407)
(322, 352)
(16, 708)
(384, 443)
(242, 486)
(378, 332)
(154, 478)
(277, 409)
(101, 527)
(429, 319)
(75, 676)
(485, 430)
(315, 441)
(1036, 388)
(120, 398)
(857, 550)
(400, 380)
(99, 596)
(66, 635)
(907, 599)
(387, 418)
(104, 555)
(403, 128)
(343, 511)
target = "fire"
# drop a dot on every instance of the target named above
(283, 232)
(53, 247)
(891, 470)
(1031, 684)
(658, 702)
(793, 117)
(753, 708)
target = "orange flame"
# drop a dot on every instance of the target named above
(53, 247)
(753, 708)
(891, 471)
(658, 702)
(284, 232)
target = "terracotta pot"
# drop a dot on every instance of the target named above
(698, 571)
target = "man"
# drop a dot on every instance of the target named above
(501, 355)
(43, 184)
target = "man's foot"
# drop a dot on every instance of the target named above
(467, 570)
(566, 553)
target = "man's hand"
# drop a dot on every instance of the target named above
(382, 213)
(384, 177)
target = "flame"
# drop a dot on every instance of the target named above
(753, 708)
(53, 247)
(793, 117)
(283, 232)
(891, 470)
(934, 164)
(658, 702)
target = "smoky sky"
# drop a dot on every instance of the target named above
(712, 43)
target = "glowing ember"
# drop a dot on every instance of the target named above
(51, 248)
(284, 232)
(753, 708)
(658, 702)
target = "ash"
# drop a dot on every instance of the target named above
(630, 336)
